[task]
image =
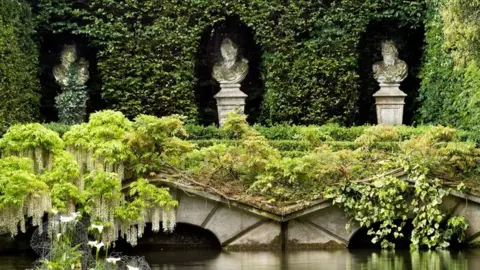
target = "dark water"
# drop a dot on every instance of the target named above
(329, 260)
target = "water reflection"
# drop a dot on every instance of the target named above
(297, 260)
(330, 260)
(416, 260)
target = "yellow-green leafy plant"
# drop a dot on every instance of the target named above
(32, 141)
(87, 179)
(305, 177)
(379, 133)
(100, 144)
(149, 204)
(22, 195)
(157, 140)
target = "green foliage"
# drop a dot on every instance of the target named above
(242, 162)
(325, 134)
(305, 177)
(32, 141)
(65, 183)
(17, 181)
(57, 127)
(71, 106)
(450, 72)
(19, 99)
(148, 50)
(462, 29)
(236, 125)
(388, 200)
(355, 174)
(88, 176)
(147, 197)
(100, 143)
(383, 177)
(378, 133)
(370, 204)
(104, 186)
(20, 138)
(156, 139)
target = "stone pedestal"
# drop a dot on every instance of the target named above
(390, 101)
(230, 98)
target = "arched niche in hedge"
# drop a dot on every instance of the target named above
(409, 43)
(208, 54)
(51, 46)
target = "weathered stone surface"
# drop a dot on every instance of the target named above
(390, 101)
(228, 222)
(332, 219)
(245, 228)
(193, 209)
(390, 69)
(231, 69)
(450, 204)
(265, 236)
(306, 235)
(229, 99)
(471, 211)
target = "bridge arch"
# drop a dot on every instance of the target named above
(185, 236)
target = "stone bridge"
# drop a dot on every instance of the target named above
(320, 225)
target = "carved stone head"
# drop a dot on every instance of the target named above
(71, 63)
(69, 54)
(389, 53)
(229, 50)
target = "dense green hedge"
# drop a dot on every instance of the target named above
(450, 76)
(147, 50)
(300, 138)
(19, 99)
(291, 139)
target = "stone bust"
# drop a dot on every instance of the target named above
(71, 65)
(391, 69)
(231, 69)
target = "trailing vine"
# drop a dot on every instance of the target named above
(384, 203)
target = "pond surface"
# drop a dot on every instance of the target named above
(297, 260)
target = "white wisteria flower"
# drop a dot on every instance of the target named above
(66, 219)
(92, 243)
(113, 260)
(132, 268)
(75, 215)
(54, 211)
(98, 227)
(58, 235)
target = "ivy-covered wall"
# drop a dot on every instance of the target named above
(148, 50)
(450, 73)
(19, 97)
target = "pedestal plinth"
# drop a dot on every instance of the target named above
(230, 98)
(390, 101)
